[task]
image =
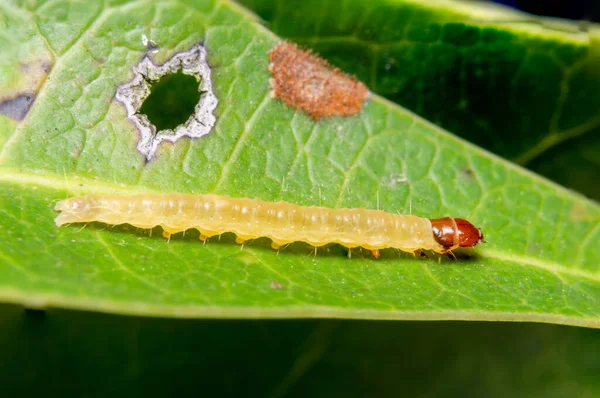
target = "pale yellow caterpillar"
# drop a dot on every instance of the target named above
(282, 222)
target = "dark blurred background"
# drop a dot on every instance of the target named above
(83, 354)
(588, 10)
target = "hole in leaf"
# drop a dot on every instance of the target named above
(171, 101)
(180, 99)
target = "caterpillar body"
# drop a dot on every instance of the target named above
(282, 222)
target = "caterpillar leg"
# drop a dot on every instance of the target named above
(239, 240)
(376, 253)
(204, 235)
(275, 246)
(419, 253)
(203, 238)
(168, 232)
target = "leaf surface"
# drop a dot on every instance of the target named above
(521, 86)
(541, 262)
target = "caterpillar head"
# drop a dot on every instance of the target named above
(468, 234)
(451, 233)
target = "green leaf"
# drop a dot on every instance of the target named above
(541, 262)
(521, 86)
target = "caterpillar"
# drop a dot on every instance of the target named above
(282, 222)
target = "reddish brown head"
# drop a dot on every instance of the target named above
(451, 233)
(468, 234)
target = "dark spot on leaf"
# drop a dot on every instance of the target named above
(151, 46)
(36, 67)
(17, 107)
(303, 80)
(468, 172)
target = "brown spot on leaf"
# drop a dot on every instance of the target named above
(468, 172)
(303, 80)
(579, 212)
(38, 70)
(276, 285)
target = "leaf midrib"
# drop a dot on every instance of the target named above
(80, 186)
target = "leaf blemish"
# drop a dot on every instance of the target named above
(395, 179)
(17, 107)
(276, 285)
(150, 45)
(17, 104)
(468, 172)
(133, 94)
(306, 81)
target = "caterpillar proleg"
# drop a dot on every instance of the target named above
(282, 222)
